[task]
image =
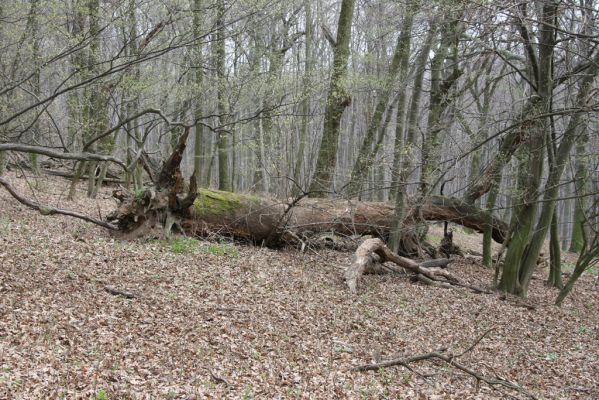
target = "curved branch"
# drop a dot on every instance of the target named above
(47, 210)
(136, 116)
(47, 151)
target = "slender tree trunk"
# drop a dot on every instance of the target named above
(367, 153)
(80, 11)
(580, 185)
(487, 234)
(555, 263)
(305, 107)
(338, 99)
(33, 28)
(402, 101)
(198, 156)
(396, 232)
(224, 179)
(519, 264)
(439, 100)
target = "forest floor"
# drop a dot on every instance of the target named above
(219, 321)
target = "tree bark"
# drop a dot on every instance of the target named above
(407, 162)
(199, 145)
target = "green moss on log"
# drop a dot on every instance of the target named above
(218, 202)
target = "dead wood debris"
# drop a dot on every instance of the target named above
(450, 359)
(373, 252)
(47, 210)
(119, 292)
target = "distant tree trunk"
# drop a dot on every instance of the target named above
(305, 106)
(581, 165)
(81, 11)
(555, 263)
(439, 99)
(367, 153)
(199, 146)
(580, 185)
(482, 133)
(338, 99)
(270, 141)
(408, 159)
(487, 233)
(224, 178)
(33, 28)
(402, 101)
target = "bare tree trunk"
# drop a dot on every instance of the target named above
(338, 99)
(33, 27)
(439, 99)
(199, 146)
(305, 107)
(367, 153)
(516, 272)
(402, 101)
(408, 160)
(224, 178)
(580, 185)
(555, 264)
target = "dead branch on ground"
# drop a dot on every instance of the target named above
(119, 292)
(48, 210)
(450, 359)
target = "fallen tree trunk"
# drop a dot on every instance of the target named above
(262, 219)
(204, 212)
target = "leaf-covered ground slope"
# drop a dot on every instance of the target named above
(257, 323)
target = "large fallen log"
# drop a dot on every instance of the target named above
(261, 219)
(202, 212)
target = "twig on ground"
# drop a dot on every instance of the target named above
(119, 292)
